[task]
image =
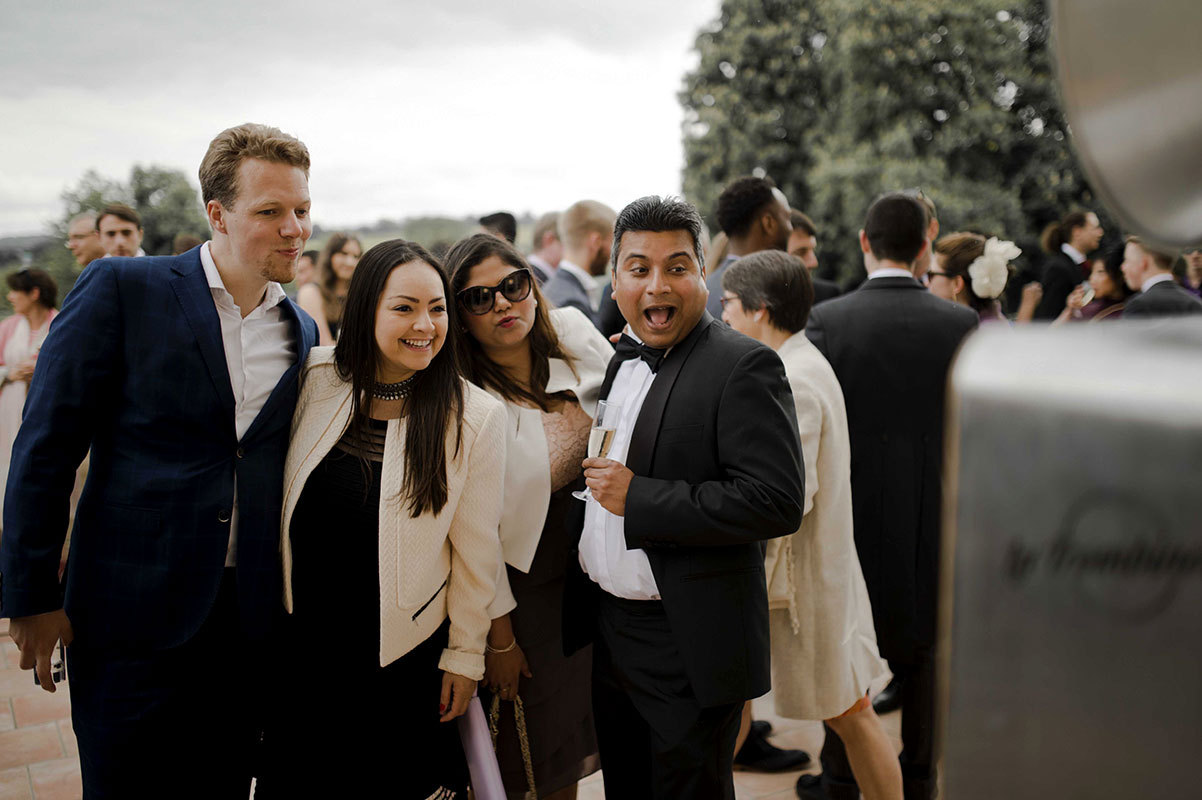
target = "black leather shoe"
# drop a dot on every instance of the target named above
(759, 755)
(812, 787)
(809, 787)
(760, 727)
(889, 700)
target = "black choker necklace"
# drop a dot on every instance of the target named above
(393, 391)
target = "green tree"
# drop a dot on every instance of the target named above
(956, 99)
(168, 205)
(756, 100)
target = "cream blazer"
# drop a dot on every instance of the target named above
(433, 566)
(527, 465)
(824, 651)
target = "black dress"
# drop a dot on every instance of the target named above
(343, 724)
(558, 699)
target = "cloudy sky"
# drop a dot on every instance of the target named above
(455, 107)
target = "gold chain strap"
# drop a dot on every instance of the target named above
(519, 716)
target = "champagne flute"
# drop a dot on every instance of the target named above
(601, 437)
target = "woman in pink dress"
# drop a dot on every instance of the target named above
(33, 295)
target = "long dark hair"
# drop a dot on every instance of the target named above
(437, 397)
(327, 278)
(542, 339)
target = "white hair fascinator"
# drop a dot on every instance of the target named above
(989, 272)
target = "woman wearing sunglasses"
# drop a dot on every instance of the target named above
(547, 366)
(392, 501)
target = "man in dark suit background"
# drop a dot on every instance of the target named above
(803, 243)
(891, 344)
(1149, 271)
(754, 215)
(705, 464)
(180, 373)
(586, 229)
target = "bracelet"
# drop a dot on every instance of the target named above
(494, 651)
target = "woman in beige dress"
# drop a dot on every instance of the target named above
(824, 651)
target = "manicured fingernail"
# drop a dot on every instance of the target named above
(442, 707)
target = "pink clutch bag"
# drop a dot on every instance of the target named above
(481, 758)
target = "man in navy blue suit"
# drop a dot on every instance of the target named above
(180, 374)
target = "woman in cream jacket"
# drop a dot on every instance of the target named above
(547, 366)
(392, 501)
(824, 652)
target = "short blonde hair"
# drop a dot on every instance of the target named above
(227, 151)
(1163, 259)
(584, 217)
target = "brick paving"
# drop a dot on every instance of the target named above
(39, 759)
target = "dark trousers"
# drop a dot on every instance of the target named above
(655, 740)
(180, 723)
(918, 737)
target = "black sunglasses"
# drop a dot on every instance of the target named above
(481, 299)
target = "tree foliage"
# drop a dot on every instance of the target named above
(957, 99)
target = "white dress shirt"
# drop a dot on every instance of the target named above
(890, 272)
(591, 285)
(1155, 279)
(603, 554)
(259, 348)
(1076, 255)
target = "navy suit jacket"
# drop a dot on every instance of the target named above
(134, 368)
(565, 290)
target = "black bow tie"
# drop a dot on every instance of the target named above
(628, 348)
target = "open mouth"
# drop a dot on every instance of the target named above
(421, 345)
(659, 317)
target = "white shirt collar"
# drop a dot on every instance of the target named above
(586, 280)
(1076, 255)
(891, 272)
(271, 298)
(541, 262)
(1160, 277)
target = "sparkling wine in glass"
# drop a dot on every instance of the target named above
(601, 436)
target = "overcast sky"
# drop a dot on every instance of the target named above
(453, 107)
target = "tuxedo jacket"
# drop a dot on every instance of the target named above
(1164, 299)
(565, 290)
(824, 290)
(891, 344)
(717, 470)
(1060, 276)
(134, 368)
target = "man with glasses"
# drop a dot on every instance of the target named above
(83, 239)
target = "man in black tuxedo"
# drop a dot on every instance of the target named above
(891, 343)
(705, 464)
(1149, 271)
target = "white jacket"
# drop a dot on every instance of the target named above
(433, 566)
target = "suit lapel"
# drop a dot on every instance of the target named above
(646, 427)
(192, 290)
